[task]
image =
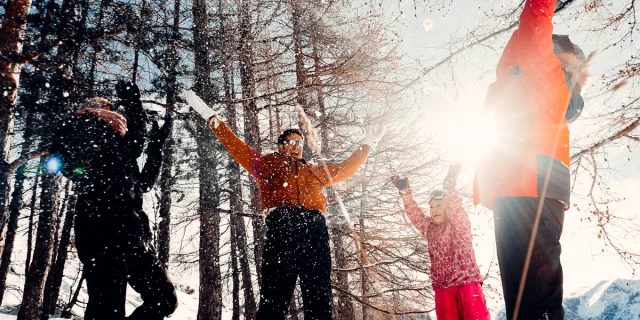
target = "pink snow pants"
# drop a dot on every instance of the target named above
(465, 302)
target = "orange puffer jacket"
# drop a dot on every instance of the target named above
(285, 181)
(529, 101)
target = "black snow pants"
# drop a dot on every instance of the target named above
(111, 244)
(297, 245)
(514, 218)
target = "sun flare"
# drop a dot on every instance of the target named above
(468, 135)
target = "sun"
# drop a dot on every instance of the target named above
(468, 134)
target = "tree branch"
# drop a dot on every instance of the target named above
(336, 287)
(25, 158)
(622, 133)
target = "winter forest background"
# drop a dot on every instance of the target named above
(420, 67)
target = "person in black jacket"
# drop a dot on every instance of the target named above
(98, 149)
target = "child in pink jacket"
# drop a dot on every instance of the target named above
(455, 275)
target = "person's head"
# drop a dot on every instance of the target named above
(291, 142)
(575, 65)
(572, 60)
(437, 209)
(97, 103)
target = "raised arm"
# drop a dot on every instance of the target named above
(129, 95)
(246, 156)
(455, 211)
(529, 55)
(335, 172)
(415, 214)
(151, 169)
(332, 173)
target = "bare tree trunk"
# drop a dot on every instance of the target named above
(235, 199)
(251, 125)
(166, 186)
(14, 207)
(57, 272)
(344, 306)
(66, 312)
(97, 48)
(166, 177)
(343, 309)
(301, 74)
(32, 213)
(12, 226)
(297, 17)
(210, 304)
(324, 133)
(366, 288)
(48, 287)
(138, 40)
(12, 31)
(235, 275)
(31, 307)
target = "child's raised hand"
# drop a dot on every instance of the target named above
(452, 175)
(401, 184)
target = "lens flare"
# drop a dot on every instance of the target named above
(53, 165)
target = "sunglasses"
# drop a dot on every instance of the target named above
(294, 141)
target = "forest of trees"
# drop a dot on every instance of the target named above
(254, 61)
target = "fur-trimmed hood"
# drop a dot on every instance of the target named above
(573, 61)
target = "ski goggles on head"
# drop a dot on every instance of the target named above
(436, 195)
(293, 142)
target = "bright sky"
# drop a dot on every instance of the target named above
(452, 120)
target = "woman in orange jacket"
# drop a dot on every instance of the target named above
(292, 191)
(525, 178)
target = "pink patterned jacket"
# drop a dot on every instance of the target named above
(453, 261)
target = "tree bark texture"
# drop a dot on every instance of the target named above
(57, 271)
(166, 177)
(251, 124)
(12, 31)
(31, 307)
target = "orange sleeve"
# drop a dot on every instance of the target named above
(246, 156)
(332, 173)
(531, 49)
(509, 59)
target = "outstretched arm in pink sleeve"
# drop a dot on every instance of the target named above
(415, 214)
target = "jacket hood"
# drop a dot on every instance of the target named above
(573, 60)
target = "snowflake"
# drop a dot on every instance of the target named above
(428, 24)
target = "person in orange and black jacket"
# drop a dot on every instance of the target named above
(291, 190)
(97, 147)
(537, 93)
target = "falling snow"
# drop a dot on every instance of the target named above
(428, 24)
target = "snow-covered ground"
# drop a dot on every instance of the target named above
(617, 299)
(187, 303)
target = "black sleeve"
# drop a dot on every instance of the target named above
(136, 119)
(576, 104)
(152, 167)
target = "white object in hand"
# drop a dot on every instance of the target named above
(200, 107)
(373, 136)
